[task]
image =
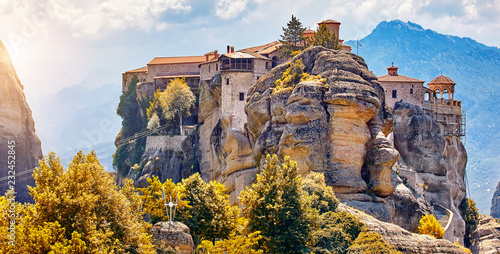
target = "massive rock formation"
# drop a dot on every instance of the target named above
(487, 236)
(18, 128)
(401, 239)
(433, 163)
(495, 203)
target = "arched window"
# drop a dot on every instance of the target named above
(437, 94)
(427, 96)
(446, 95)
(275, 61)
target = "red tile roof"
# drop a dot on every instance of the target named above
(399, 78)
(263, 49)
(441, 80)
(177, 60)
(142, 69)
(329, 21)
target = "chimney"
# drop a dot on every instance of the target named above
(232, 49)
(228, 49)
(216, 54)
(206, 57)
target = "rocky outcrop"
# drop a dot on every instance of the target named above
(172, 234)
(401, 239)
(18, 129)
(173, 161)
(488, 232)
(495, 203)
(331, 125)
(437, 162)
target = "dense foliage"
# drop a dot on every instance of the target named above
(371, 243)
(133, 121)
(471, 218)
(322, 197)
(292, 38)
(175, 101)
(275, 206)
(429, 225)
(235, 244)
(293, 75)
(323, 37)
(79, 210)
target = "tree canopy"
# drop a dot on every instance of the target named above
(323, 37)
(292, 37)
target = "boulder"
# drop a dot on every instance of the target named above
(172, 234)
(18, 129)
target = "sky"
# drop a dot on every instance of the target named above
(60, 43)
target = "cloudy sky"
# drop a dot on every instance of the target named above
(58, 43)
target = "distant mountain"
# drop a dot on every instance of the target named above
(425, 54)
(77, 118)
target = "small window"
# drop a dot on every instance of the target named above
(394, 93)
(411, 90)
(216, 67)
(242, 96)
(209, 68)
(227, 81)
(267, 65)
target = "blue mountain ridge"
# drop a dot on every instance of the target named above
(425, 54)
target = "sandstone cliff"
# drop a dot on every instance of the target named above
(17, 125)
(495, 203)
(433, 163)
(487, 236)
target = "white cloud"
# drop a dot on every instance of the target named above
(230, 9)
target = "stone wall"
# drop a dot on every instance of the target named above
(165, 143)
(403, 93)
(127, 77)
(235, 85)
(165, 69)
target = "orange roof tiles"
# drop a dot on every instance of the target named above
(329, 21)
(399, 78)
(442, 80)
(308, 31)
(177, 60)
(142, 69)
(266, 47)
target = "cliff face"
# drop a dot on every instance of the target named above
(16, 125)
(488, 232)
(434, 163)
(495, 203)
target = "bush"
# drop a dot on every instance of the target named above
(371, 243)
(322, 196)
(471, 218)
(429, 225)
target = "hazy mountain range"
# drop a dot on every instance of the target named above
(425, 54)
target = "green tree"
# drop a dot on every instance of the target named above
(209, 215)
(84, 205)
(292, 37)
(323, 37)
(471, 218)
(235, 244)
(175, 101)
(429, 225)
(371, 243)
(322, 196)
(337, 232)
(274, 206)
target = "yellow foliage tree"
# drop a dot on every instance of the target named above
(236, 244)
(429, 225)
(80, 209)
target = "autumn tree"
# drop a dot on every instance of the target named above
(292, 38)
(175, 101)
(429, 225)
(322, 197)
(235, 244)
(323, 37)
(471, 218)
(274, 205)
(83, 203)
(371, 242)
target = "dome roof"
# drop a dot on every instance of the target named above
(442, 80)
(329, 21)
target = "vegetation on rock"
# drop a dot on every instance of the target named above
(323, 37)
(471, 218)
(293, 75)
(322, 197)
(130, 153)
(292, 38)
(429, 225)
(371, 243)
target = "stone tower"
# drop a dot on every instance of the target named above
(333, 26)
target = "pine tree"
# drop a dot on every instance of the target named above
(274, 205)
(471, 218)
(292, 38)
(323, 37)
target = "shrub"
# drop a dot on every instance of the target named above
(471, 218)
(371, 243)
(429, 225)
